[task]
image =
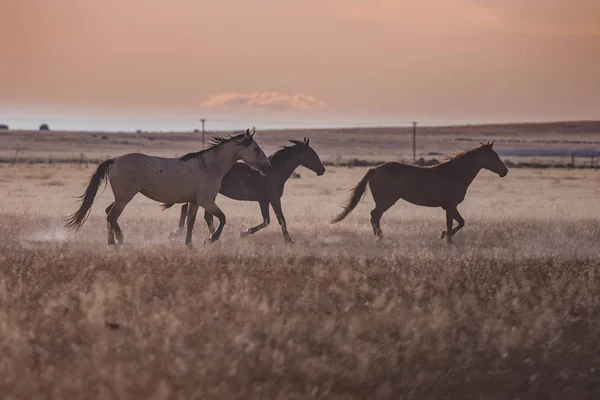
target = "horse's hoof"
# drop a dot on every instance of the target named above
(289, 240)
(244, 234)
(175, 234)
(443, 235)
(115, 247)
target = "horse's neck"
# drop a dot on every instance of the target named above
(467, 170)
(284, 169)
(221, 159)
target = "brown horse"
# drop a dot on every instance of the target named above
(444, 185)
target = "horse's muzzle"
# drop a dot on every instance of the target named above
(503, 174)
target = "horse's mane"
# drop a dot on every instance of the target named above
(467, 152)
(217, 141)
(286, 152)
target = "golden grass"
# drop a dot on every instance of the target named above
(511, 310)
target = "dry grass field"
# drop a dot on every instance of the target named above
(511, 310)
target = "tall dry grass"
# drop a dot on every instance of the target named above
(510, 311)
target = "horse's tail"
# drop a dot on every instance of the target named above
(355, 197)
(76, 220)
(165, 206)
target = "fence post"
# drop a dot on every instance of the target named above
(572, 160)
(414, 142)
(203, 120)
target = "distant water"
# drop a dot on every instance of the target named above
(539, 152)
(152, 123)
(73, 121)
(133, 125)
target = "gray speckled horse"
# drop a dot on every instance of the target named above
(194, 178)
(242, 183)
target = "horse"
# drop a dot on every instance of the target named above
(194, 178)
(242, 183)
(443, 185)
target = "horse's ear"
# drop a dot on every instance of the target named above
(492, 144)
(248, 137)
(306, 140)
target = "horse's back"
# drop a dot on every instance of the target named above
(394, 168)
(168, 180)
(415, 184)
(140, 158)
(142, 164)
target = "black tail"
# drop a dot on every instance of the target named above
(355, 197)
(165, 206)
(76, 220)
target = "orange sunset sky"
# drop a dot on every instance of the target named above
(374, 61)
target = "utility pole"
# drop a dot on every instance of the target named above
(203, 120)
(414, 142)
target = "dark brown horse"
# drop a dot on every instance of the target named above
(444, 185)
(244, 183)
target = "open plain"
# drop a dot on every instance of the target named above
(511, 310)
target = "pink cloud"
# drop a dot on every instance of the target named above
(271, 100)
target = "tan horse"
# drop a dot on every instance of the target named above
(194, 178)
(444, 185)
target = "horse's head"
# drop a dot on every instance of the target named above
(308, 157)
(253, 155)
(489, 159)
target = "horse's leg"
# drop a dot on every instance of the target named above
(112, 228)
(182, 216)
(449, 222)
(281, 219)
(209, 221)
(109, 225)
(112, 217)
(212, 208)
(376, 215)
(264, 210)
(461, 223)
(191, 220)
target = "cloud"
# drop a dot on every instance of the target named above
(270, 100)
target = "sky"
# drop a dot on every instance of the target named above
(123, 63)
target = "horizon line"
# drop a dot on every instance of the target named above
(321, 127)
